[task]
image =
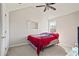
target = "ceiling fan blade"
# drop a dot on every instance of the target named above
(40, 6)
(50, 3)
(45, 9)
(52, 7)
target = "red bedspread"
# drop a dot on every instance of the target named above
(43, 41)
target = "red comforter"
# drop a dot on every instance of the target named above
(43, 41)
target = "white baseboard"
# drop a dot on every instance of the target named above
(66, 45)
(19, 44)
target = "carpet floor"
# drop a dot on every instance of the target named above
(27, 50)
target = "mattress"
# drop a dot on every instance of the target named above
(56, 41)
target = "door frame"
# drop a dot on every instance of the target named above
(3, 31)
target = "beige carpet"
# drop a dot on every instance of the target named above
(27, 50)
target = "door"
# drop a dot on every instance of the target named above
(4, 33)
(0, 28)
(78, 40)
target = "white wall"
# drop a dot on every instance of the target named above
(43, 25)
(18, 24)
(66, 27)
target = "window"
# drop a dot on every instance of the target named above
(52, 26)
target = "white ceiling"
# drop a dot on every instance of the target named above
(16, 6)
(61, 8)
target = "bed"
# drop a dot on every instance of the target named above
(42, 40)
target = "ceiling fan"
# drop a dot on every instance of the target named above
(47, 6)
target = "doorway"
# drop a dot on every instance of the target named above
(78, 40)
